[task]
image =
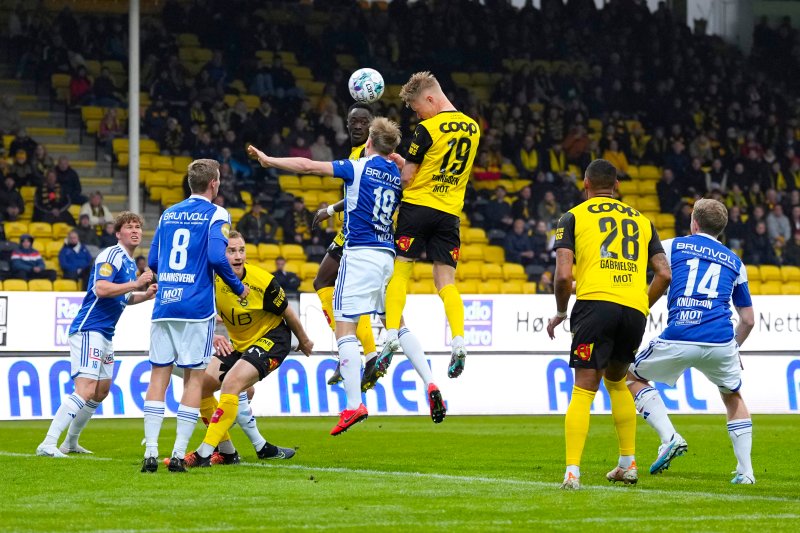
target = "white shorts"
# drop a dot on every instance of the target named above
(91, 356)
(665, 361)
(361, 283)
(185, 344)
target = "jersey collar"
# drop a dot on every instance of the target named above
(200, 197)
(706, 235)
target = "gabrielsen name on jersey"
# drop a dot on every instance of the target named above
(102, 314)
(372, 193)
(189, 237)
(706, 276)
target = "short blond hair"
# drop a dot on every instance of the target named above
(416, 84)
(127, 217)
(711, 216)
(385, 135)
(201, 173)
(233, 234)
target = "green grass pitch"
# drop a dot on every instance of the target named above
(403, 474)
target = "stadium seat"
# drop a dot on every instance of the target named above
(15, 229)
(648, 203)
(65, 285)
(236, 214)
(754, 286)
(471, 253)
(27, 192)
(149, 146)
(790, 289)
(666, 233)
(40, 285)
(628, 188)
(181, 164)
(52, 249)
(514, 271)
(423, 271)
(311, 183)
(790, 273)
(421, 287)
(247, 198)
(494, 254)
(491, 271)
(15, 285)
(771, 287)
(649, 172)
(769, 273)
(469, 271)
(251, 251)
(474, 236)
(308, 271)
(752, 273)
(120, 145)
(293, 252)
(529, 287)
(512, 287)
(161, 162)
(306, 286)
(331, 184)
(468, 286)
(40, 230)
(664, 221)
(268, 252)
(490, 287)
(288, 182)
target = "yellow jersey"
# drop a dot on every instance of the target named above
(356, 153)
(612, 243)
(444, 147)
(261, 312)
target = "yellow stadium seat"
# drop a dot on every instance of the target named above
(628, 187)
(181, 163)
(512, 287)
(469, 271)
(40, 230)
(75, 211)
(514, 271)
(752, 273)
(771, 287)
(188, 39)
(15, 229)
(15, 285)
(158, 179)
(474, 236)
(236, 214)
(769, 273)
(306, 286)
(529, 287)
(1, 285)
(288, 182)
(490, 287)
(423, 271)
(120, 145)
(60, 230)
(421, 287)
(665, 220)
(648, 203)
(331, 184)
(471, 253)
(494, 254)
(468, 287)
(649, 172)
(65, 285)
(149, 146)
(311, 198)
(293, 251)
(268, 252)
(666, 233)
(754, 286)
(790, 288)
(632, 200)
(251, 250)
(790, 273)
(27, 192)
(491, 271)
(311, 183)
(247, 198)
(40, 285)
(161, 162)
(309, 270)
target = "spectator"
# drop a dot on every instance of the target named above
(695, 180)
(240, 170)
(9, 116)
(484, 169)
(683, 220)
(21, 169)
(105, 90)
(75, 259)
(297, 223)
(87, 234)
(141, 265)
(69, 181)
(27, 263)
(155, 119)
(320, 151)
(22, 142)
(779, 228)
(717, 177)
(669, 192)
(299, 149)
(265, 122)
(527, 161)
(97, 212)
(109, 129)
(791, 254)
(542, 244)
(498, 211)
(50, 204)
(228, 187)
(757, 215)
(42, 162)
(287, 280)
(109, 236)
(205, 148)
(257, 226)
(518, 244)
(172, 141)
(736, 197)
(794, 220)
(282, 80)
(758, 249)
(80, 88)
(523, 206)
(545, 283)
(11, 203)
(576, 144)
(657, 147)
(262, 81)
(617, 157)
(549, 210)
(736, 230)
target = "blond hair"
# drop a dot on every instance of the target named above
(127, 217)
(711, 216)
(416, 85)
(201, 173)
(235, 235)
(385, 135)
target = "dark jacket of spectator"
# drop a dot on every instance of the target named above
(86, 232)
(70, 182)
(669, 192)
(257, 226)
(297, 224)
(11, 203)
(758, 249)
(27, 263)
(75, 258)
(498, 212)
(50, 203)
(289, 281)
(518, 244)
(791, 254)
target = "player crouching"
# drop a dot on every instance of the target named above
(260, 328)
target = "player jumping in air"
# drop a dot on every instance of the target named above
(706, 277)
(112, 286)
(188, 248)
(434, 179)
(611, 245)
(261, 332)
(372, 192)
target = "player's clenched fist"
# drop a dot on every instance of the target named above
(306, 346)
(144, 280)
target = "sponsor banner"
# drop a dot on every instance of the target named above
(40, 321)
(32, 388)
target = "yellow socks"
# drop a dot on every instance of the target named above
(454, 309)
(623, 410)
(222, 420)
(365, 335)
(396, 293)
(207, 408)
(576, 423)
(326, 298)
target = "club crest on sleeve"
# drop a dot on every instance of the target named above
(226, 230)
(106, 269)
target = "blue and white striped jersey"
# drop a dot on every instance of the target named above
(372, 194)
(706, 277)
(102, 314)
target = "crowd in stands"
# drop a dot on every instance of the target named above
(570, 83)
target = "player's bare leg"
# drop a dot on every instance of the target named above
(444, 277)
(740, 430)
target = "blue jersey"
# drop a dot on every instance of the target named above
(706, 277)
(102, 314)
(372, 194)
(188, 248)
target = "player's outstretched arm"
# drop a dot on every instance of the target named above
(747, 320)
(139, 297)
(306, 345)
(107, 289)
(300, 165)
(562, 284)
(661, 278)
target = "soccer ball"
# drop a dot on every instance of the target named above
(366, 85)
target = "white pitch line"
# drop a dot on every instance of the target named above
(72, 455)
